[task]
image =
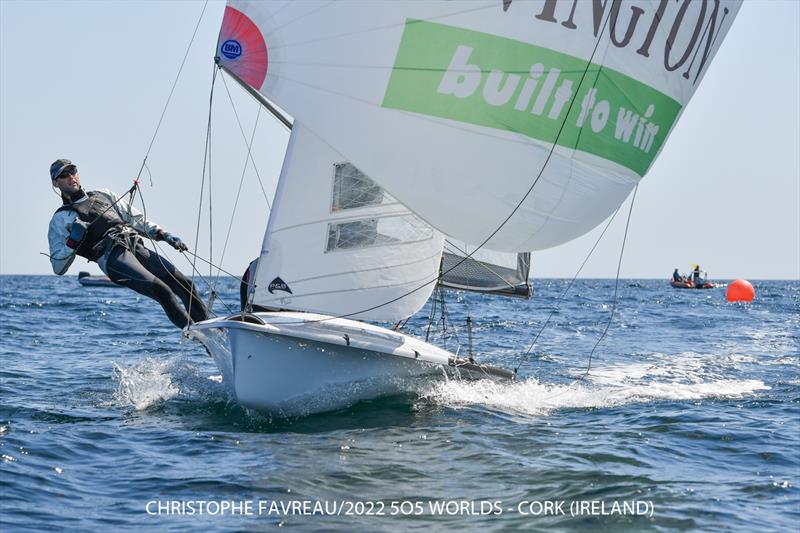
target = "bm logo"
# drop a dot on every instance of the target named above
(231, 49)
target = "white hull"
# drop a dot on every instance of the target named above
(300, 363)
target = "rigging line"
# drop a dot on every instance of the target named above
(362, 66)
(443, 314)
(521, 138)
(708, 25)
(203, 181)
(174, 84)
(555, 141)
(244, 137)
(218, 267)
(488, 5)
(114, 203)
(527, 354)
(284, 6)
(159, 254)
(519, 204)
(149, 174)
(276, 113)
(297, 18)
(210, 214)
(613, 309)
(446, 319)
(228, 308)
(210, 204)
(580, 130)
(616, 286)
(239, 191)
(431, 318)
(477, 263)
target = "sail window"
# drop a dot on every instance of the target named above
(352, 189)
(383, 231)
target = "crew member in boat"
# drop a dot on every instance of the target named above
(676, 276)
(697, 277)
(104, 228)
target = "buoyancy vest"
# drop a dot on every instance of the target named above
(101, 217)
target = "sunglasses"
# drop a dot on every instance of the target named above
(71, 171)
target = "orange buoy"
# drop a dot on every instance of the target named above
(740, 290)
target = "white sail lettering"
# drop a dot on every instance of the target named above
(525, 94)
(600, 115)
(626, 121)
(644, 125)
(492, 92)
(461, 78)
(586, 105)
(651, 130)
(547, 89)
(563, 94)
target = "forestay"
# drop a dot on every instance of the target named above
(455, 106)
(338, 244)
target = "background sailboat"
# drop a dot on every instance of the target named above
(470, 268)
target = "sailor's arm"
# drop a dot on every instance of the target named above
(61, 256)
(137, 221)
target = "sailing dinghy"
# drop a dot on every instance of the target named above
(424, 135)
(337, 245)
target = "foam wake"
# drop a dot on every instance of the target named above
(153, 381)
(144, 384)
(607, 386)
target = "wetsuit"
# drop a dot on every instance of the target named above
(113, 240)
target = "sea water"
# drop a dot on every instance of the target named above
(686, 417)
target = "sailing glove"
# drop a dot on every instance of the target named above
(175, 242)
(77, 232)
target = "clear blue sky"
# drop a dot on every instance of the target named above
(88, 81)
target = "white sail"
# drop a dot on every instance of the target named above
(457, 106)
(338, 244)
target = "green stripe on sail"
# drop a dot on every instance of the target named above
(483, 79)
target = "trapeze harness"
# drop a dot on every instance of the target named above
(130, 263)
(105, 227)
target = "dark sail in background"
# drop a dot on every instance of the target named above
(502, 274)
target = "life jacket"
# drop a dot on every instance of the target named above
(101, 217)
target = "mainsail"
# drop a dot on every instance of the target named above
(338, 244)
(522, 122)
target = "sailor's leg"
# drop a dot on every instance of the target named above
(125, 269)
(163, 269)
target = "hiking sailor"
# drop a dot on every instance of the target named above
(102, 227)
